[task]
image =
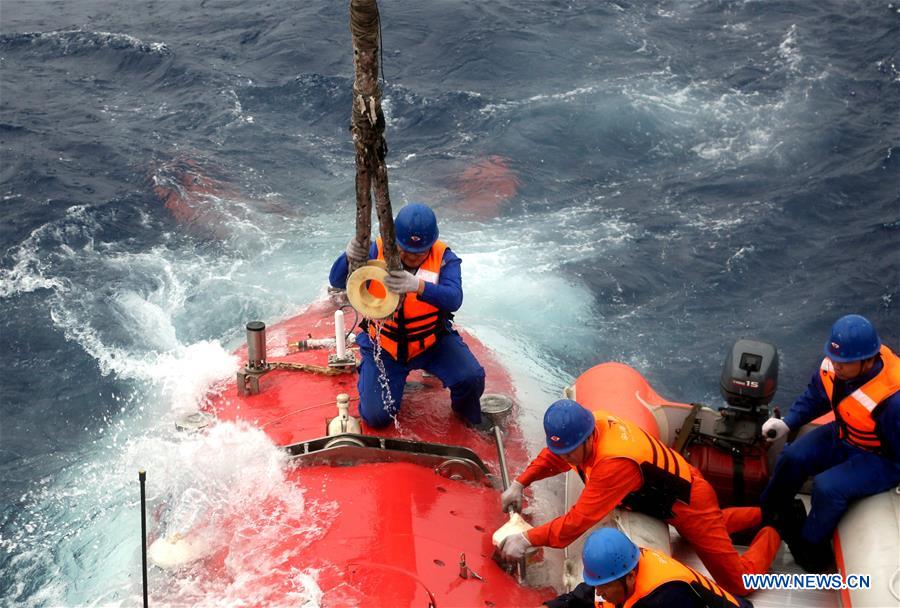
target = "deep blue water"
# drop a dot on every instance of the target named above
(673, 175)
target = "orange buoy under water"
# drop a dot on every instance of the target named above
(485, 186)
(200, 197)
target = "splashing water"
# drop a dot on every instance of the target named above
(226, 490)
(235, 499)
(386, 397)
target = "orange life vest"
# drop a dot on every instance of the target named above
(854, 413)
(666, 474)
(655, 569)
(416, 324)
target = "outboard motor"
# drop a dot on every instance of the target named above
(748, 383)
(728, 448)
(750, 375)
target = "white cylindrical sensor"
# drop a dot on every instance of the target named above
(256, 345)
(339, 336)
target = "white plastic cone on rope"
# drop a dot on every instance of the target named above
(364, 301)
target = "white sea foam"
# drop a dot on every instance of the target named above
(237, 110)
(29, 272)
(540, 98)
(134, 313)
(736, 259)
(77, 40)
(227, 485)
(789, 50)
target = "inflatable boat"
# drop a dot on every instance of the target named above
(410, 508)
(725, 444)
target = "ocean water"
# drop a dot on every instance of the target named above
(635, 181)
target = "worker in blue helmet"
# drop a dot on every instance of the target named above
(420, 333)
(856, 455)
(624, 466)
(617, 573)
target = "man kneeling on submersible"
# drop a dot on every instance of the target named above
(618, 573)
(420, 333)
(622, 465)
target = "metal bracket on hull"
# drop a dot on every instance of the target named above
(248, 380)
(350, 449)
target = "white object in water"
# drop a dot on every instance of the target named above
(176, 551)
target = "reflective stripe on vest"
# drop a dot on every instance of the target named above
(854, 414)
(416, 324)
(665, 473)
(655, 569)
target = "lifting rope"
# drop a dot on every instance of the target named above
(367, 128)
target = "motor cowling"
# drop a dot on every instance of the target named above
(750, 374)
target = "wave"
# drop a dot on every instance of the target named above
(78, 42)
(229, 486)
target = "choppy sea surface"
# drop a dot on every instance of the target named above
(641, 181)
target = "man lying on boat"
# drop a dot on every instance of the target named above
(856, 455)
(619, 573)
(420, 333)
(621, 465)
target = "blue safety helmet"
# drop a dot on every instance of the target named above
(567, 424)
(853, 338)
(416, 227)
(608, 555)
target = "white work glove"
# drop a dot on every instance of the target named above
(401, 281)
(356, 252)
(512, 496)
(514, 546)
(778, 426)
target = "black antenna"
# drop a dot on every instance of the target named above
(142, 476)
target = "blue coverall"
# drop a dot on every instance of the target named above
(841, 472)
(449, 358)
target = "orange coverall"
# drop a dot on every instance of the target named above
(701, 522)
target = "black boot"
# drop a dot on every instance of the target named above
(814, 558)
(486, 426)
(787, 521)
